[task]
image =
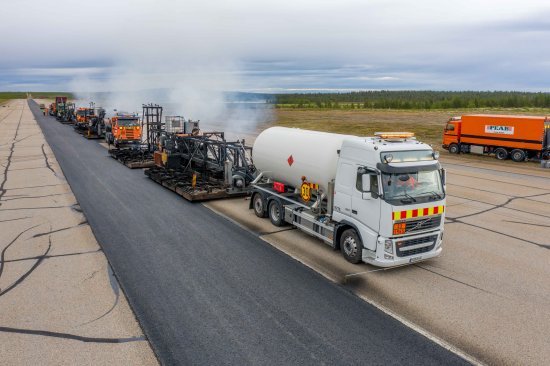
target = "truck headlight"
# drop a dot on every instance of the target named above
(388, 246)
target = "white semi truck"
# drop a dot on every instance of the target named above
(380, 200)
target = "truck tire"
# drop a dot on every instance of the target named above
(258, 204)
(501, 153)
(517, 155)
(454, 149)
(351, 246)
(276, 213)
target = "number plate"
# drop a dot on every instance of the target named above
(415, 259)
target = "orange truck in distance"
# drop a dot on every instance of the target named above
(123, 129)
(515, 137)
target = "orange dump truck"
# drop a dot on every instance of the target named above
(515, 137)
(123, 129)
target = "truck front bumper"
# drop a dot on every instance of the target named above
(385, 258)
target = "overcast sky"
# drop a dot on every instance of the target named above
(275, 46)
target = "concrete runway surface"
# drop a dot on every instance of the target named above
(206, 291)
(59, 301)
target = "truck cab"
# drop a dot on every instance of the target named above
(451, 134)
(391, 192)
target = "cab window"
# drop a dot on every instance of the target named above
(449, 127)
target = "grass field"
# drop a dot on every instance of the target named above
(4, 96)
(427, 125)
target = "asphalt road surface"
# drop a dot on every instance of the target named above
(206, 291)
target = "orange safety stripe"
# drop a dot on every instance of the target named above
(418, 212)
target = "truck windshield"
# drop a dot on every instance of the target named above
(127, 122)
(84, 112)
(413, 187)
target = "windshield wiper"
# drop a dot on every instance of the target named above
(406, 195)
(434, 193)
(409, 196)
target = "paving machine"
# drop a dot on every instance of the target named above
(66, 113)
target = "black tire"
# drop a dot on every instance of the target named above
(501, 153)
(454, 149)
(275, 211)
(351, 246)
(517, 155)
(258, 204)
(546, 155)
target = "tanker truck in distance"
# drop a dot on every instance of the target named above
(515, 137)
(380, 200)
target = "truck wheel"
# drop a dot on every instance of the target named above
(546, 155)
(276, 213)
(259, 205)
(454, 149)
(351, 246)
(517, 155)
(501, 153)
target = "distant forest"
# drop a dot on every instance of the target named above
(413, 100)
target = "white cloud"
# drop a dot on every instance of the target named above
(426, 43)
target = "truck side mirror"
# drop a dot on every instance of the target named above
(443, 177)
(365, 187)
(365, 182)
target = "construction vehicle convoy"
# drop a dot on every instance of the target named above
(515, 137)
(380, 200)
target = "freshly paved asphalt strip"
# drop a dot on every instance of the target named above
(206, 291)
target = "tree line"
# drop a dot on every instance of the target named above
(410, 99)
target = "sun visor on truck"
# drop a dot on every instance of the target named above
(393, 169)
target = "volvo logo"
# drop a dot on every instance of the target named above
(419, 224)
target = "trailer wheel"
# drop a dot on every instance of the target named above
(351, 246)
(517, 155)
(276, 213)
(259, 205)
(454, 149)
(501, 153)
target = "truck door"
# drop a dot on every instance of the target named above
(452, 133)
(365, 205)
(343, 187)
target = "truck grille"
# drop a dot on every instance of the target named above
(409, 247)
(422, 224)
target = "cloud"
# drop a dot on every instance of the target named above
(252, 45)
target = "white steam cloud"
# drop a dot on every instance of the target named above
(198, 91)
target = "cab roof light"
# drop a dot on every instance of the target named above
(394, 135)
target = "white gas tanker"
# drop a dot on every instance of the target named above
(380, 200)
